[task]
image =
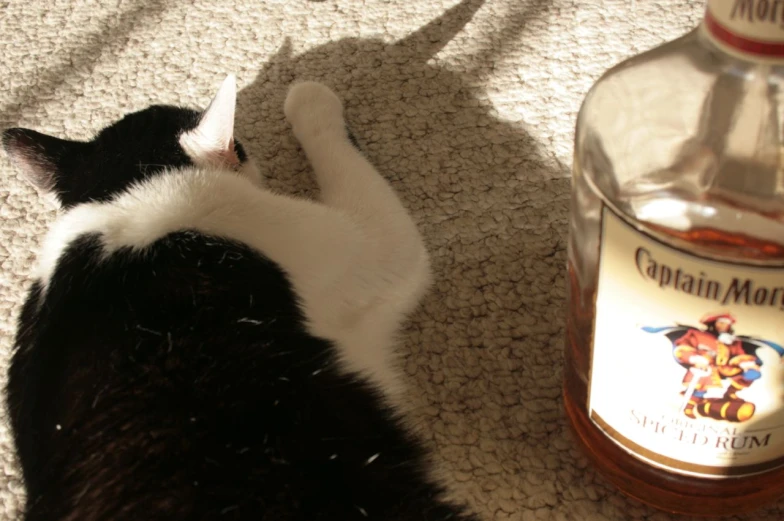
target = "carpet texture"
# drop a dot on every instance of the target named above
(467, 108)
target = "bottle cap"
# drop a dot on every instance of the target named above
(750, 29)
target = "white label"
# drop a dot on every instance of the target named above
(686, 368)
(752, 29)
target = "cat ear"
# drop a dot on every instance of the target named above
(38, 156)
(212, 141)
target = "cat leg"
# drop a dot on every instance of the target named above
(350, 183)
(397, 271)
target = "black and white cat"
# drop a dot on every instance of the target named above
(197, 347)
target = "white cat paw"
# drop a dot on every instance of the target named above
(313, 109)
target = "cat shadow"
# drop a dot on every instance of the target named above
(483, 352)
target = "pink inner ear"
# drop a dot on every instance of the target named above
(28, 157)
(234, 159)
(229, 156)
(206, 151)
(37, 172)
(226, 157)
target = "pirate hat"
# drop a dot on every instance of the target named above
(710, 318)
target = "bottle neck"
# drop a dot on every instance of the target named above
(749, 29)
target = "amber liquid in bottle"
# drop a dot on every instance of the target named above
(665, 490)
(685, 145)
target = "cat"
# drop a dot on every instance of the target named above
(194, 346)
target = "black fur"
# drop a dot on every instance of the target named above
(240, 151)
(180, 383)
(134, 148)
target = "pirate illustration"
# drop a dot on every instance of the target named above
(716, 359)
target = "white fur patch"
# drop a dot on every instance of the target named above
(211, 201)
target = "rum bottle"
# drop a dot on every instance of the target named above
(674, 381)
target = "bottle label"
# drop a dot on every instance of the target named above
(751, 29)
(687, 367)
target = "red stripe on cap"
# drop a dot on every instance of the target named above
(741, 43)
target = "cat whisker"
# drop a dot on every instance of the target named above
(145, 166)
(229, 509)
(147, 330)
(98, 396)
(247, 320)
(372, 458)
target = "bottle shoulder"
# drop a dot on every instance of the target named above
(685, 136)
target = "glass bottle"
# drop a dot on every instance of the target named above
(673, 378)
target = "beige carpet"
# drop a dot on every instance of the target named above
(468, 109)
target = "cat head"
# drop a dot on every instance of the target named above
(142, 144)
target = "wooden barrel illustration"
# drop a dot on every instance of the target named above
(730, 410)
